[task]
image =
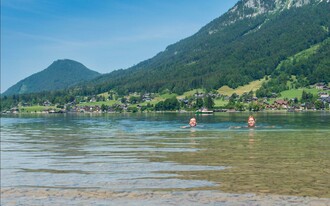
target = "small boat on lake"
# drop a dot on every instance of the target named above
(204, 111)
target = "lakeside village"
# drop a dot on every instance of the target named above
(196, 102)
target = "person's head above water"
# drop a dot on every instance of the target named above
(251, 121)
(193, 122)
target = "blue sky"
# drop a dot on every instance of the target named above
(104, 35)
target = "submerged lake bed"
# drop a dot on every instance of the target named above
(148, 159)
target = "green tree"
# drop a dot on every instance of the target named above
(233, 97)
(239, 106)
(306, 97)
(208, 102)
(123, 100)
(318, 104)
(199, 103)
(104, 108)
(134, 100)
(253, 106)
(132, 109)
(159, 106)
(171, 104)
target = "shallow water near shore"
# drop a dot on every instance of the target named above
(147, 159)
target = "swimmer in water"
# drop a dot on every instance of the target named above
(192, 123)
(251, 121)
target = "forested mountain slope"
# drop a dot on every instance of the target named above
(245, 44)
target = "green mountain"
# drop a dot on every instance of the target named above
(307, 67)
(61, 74)
(245, 44)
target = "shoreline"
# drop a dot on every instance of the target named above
(161, 112)
(77, 196)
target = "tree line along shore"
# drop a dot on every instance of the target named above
(312, 98)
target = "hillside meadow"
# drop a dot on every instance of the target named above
(252, 86)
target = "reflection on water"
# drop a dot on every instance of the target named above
(151, 152)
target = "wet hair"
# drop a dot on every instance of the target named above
(251, 116)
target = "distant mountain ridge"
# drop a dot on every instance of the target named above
(252, 8)
(61, 74)
(245, 44)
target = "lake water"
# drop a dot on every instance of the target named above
(147, 159)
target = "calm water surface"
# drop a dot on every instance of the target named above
(288, 154)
